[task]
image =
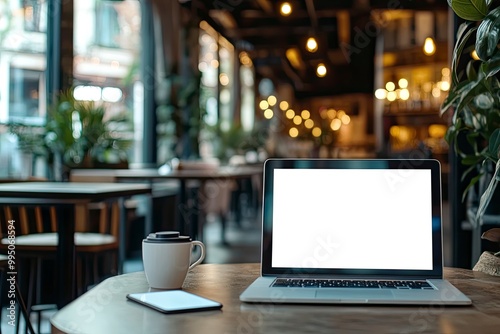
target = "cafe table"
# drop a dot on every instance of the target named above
(187, 215)
(105, 309)
(65, 196)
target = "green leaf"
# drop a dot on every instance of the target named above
(469, 92)
(494, 144)
(471, 10)
(471, 71)
(455, 95)
(473, 181)
(488, 35)
(491, 67)
(487, 195)
(471, 160)
(463, 36)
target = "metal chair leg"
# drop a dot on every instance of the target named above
(24, 311)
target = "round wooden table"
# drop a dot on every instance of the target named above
(105, 309)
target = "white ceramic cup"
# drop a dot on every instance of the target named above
(166, 257)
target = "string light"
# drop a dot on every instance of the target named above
(429, 46)
(286, 9)
(311, 44)
(321, 70)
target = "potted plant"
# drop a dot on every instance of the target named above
(474, 97)
(78, 134)
(83, 135)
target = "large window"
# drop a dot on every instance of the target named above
(209, 97)
(23, 41)
(247, 84)
(106, 58)
(226, 78)
(106, 62)
(22, 61)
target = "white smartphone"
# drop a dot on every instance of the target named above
(174, 301)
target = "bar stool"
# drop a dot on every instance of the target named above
(4, 269)
(37, 242)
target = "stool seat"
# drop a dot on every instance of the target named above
(85, 242)
(51, 239)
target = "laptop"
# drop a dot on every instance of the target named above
(352, 231)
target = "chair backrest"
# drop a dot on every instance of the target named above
(28, 219)
(215, 195)
(100, 217)
(89, 176)
(109, 212)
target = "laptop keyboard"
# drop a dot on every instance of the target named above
(342, 283)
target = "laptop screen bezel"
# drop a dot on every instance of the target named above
(267, 215)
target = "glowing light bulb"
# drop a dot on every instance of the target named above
(404, 94)
(309, 123)
(391, 96)
(429, 46)
(336, 124)
(285, 9)
(311, 44)
(390, 86)
(380, 94)
(268, 113)
(283, 105)
(316, 132)
(321, 70)
(272, 100)
(403, 83)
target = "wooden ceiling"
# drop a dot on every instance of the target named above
(346, 32)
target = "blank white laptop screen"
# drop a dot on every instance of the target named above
(352, 219)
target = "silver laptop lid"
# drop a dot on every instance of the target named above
(370, 218)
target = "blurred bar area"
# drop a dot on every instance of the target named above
(194, 79)
(130, 91)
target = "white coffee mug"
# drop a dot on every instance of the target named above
(166, 257)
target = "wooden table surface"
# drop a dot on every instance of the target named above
(151, 174)
(105, 309)
(65, 196)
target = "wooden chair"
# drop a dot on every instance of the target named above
(36, 241)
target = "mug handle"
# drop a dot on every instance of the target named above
(202, 255)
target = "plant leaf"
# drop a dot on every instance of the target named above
(492, 66)
(471, 10)
(471, 71)
(488, 34)
(469, 92)
(494, 144)
(456, 94)
(472, 182)
(463, 36)
(487, 195)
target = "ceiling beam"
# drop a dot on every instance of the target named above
(312, 14)
(344, 27)
(274, 31)
(266, 6)
(298, 14)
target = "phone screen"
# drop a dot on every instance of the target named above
(174, 301)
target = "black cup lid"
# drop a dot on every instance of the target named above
(167, 237)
